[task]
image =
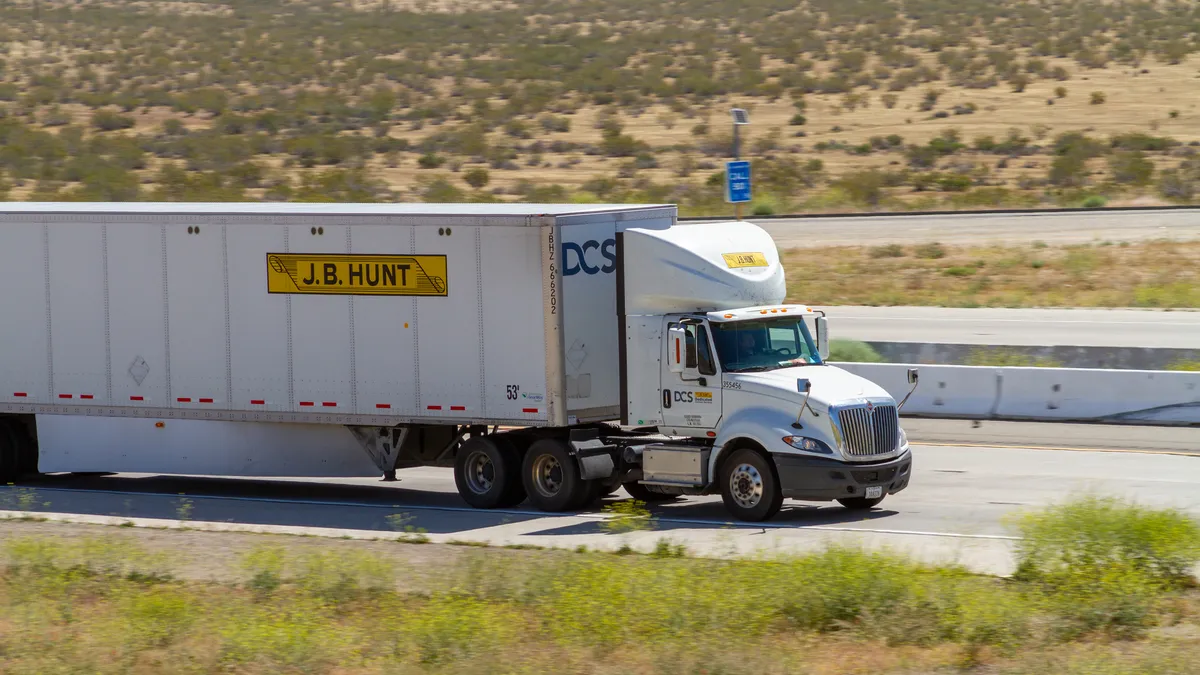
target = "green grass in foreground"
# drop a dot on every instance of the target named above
(1098, 571)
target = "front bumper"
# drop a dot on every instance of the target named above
(817, 479)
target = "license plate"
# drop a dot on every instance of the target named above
(875, 492)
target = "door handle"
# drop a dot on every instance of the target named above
(666, 398)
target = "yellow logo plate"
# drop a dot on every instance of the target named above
(735, 260)
(328, 274)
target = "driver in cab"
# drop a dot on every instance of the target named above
(749, 348)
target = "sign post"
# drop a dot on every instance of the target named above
(737, 172)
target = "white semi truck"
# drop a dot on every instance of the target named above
(549, 353)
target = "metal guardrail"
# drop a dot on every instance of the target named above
(963, 212)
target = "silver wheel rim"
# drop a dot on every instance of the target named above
(746, 486)
(480, 472)
(547, 475)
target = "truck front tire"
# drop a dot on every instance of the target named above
(487, 473)
(750, 486)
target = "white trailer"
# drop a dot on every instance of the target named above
(547, 352)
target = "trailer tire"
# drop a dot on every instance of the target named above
(552, 479)
(485, 471)
(10, 453)
(645, 493)
(860, 503)
(750, 486)
(516, 487)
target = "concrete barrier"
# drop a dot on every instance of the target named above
(960, 391)
(1049, 394)
(1085, 394)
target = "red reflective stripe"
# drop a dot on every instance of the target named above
(136, 398)
(86, 396)
(433, 407)
(529, 410)
(330, 404)
(458, 407)
(20, 394)
(677, 359)
(258, 401)
(383, 406)
(306, 403)
(184, 400)
(206, 400)
(64, 395)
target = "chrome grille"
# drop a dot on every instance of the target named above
(873, 432)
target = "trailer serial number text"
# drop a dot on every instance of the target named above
(324, 274)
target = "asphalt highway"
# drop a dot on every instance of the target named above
(1033, 327)
(966, 482)
(1071, 227)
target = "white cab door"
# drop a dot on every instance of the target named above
(691, 400)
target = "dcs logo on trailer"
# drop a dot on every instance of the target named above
(579, 262)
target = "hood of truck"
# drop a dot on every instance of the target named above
(830, 385)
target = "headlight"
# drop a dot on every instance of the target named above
(903, 438)
(807, 444)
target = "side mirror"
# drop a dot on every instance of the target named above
(677, 348)
(823, 337)
(912, 379)
(804, 386)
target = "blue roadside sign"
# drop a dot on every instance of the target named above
(737, 182)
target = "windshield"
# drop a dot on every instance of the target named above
(764, 344)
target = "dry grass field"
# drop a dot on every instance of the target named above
(1154, 274)
(873, 104)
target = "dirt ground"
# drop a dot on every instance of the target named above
(194, 555)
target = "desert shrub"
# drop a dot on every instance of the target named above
(477, 177)
(106, 120)
(886, 251)
(1104, 563)
(930, 251)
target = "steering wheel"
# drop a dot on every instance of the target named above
(784, 351)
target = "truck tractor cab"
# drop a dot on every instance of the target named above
(753, 409)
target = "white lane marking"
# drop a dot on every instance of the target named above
(798, 527)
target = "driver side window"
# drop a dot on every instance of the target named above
(699, 350)
(707, 364)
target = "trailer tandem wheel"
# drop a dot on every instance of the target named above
(11, 451)
(487, 473)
